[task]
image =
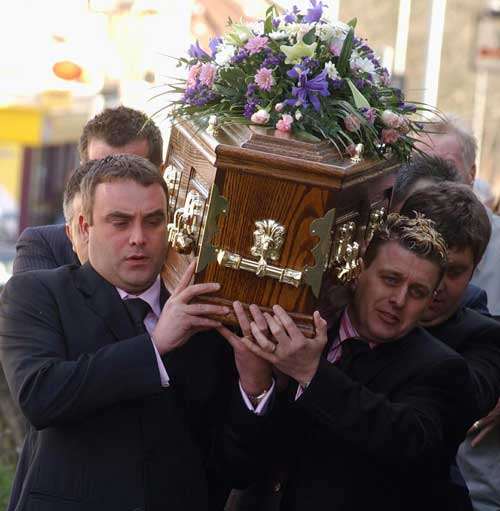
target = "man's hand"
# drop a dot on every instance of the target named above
(180, 319)
(291, 352)
(255, 372)
(483, 426)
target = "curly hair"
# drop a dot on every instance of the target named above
(418, 235)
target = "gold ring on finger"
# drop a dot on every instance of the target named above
(476, 427)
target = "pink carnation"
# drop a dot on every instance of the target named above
(352, 123)
(336, 47)
(389, 136)
(264, 79)
(193, 74)
(256, 44)
(285, 123)
(260, 117)
(207, 74)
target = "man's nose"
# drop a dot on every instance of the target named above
(398, 297)
(137, 234)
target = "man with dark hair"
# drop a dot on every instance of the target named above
(132, 403)
(451, 139)
(425, 171)
(119, 130)
(421, 171)
(376, 407)
(463, 222)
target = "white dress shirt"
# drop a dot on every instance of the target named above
(152, 297)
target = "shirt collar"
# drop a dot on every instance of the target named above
(150, 296)
(347, 330)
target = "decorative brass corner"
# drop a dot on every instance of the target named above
(345, 257)
(321, 227)
(377, 216)
(217, 205)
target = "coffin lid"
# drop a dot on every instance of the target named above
(267, 151)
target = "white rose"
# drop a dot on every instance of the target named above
(277, 35)
(224, 54)
(331, 71)
(260, 117)
(325, 32)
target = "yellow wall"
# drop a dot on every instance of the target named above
(21, 125)
(10, 169)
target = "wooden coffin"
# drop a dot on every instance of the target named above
(274, 220)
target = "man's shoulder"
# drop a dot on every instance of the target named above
(60, 276)
(45, 232)
(428, 346)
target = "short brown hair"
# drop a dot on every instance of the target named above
(418, 235)
(120, 126)
(457, 213)
(72, 188)
(117, 167)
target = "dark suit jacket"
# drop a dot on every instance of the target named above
(476, 299)
(379, 434)
(477, 338)
(43, 248)
(105, 435)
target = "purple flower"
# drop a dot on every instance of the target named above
(408, 107)
(370, 114)
(276, 23)
(264, 79)
(214, 44)
(273, 59)
(240, 56)
(250, 108)
(196, 52)
(309, 90)
(199, 95)
(314, 13)
(291, 17)
(251, 89)
(256, 44)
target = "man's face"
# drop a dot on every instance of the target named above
(392, 293)
(452, 288)
(127, 241)
(74, 231)
(447, 147)
(98, 149)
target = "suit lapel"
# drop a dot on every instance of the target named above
(104, 300)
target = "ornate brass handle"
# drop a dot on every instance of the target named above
(184, 229)
(259, 268)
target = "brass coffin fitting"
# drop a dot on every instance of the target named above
(184, 229)
(260, 268)
(345, 258)
(269, 237)
(376, 218)
(172, 177)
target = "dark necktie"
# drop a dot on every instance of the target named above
(138, 310)
(352, 349)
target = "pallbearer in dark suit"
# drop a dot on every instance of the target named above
(133, 405)
(120, 130)
(464, 224)
(376, 407)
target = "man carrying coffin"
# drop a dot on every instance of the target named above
(376, 407)
(130, 406)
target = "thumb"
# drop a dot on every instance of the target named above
(320, 325)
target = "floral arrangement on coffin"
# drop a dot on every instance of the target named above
(297, 73)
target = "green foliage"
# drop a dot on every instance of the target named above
(6, 478)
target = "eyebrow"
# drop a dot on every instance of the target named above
(125, 216)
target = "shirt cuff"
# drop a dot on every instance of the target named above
(165, 380)
(261, 408)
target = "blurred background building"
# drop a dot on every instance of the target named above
(65, 60)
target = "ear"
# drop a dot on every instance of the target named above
(472, 174)
(68, 232)
(84, 227)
